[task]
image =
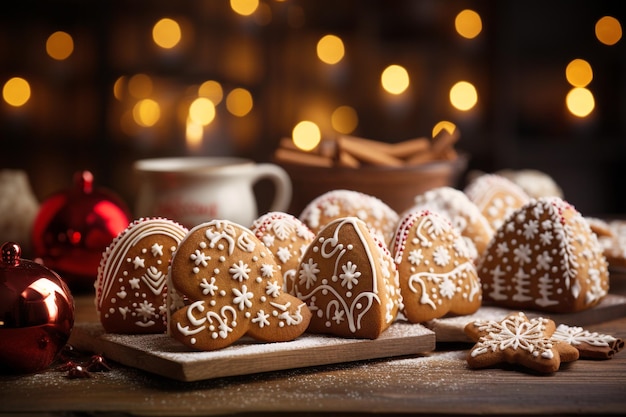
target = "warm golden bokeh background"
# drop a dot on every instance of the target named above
(98, 84)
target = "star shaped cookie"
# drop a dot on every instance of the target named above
(518, 340)
(591, 345)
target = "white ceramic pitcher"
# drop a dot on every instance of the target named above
(193, 190)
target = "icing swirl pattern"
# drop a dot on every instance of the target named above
(349, 281)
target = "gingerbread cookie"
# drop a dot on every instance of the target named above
(518, 340)
(462, 213)
(287, 238)
(348, 280)
(378, 216)
(437, 274)
(600, 227)
(230, 284)
(496, 197)
(535, 183)
(545, 258)
(590, 345)
(131, 289)
(614, 244)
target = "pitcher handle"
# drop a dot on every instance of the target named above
(282, 185)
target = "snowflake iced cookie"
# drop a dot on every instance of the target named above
(496, 197)
(287, 238)
(348, 280)
(131, 289)
(462, 213)
(378, 216)
(436, 271)
(545, 258)
(224, 284)
(518, 340)
(590, 345)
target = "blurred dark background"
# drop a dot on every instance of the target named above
(80, 113)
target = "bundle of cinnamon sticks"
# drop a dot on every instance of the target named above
(354, 152)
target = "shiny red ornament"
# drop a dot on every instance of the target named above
(73, 227)
(36, 313)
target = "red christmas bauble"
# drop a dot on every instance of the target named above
(73, 227)
(36, 313)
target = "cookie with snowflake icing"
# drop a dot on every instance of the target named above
(462, 213)
(348, 280)
(229, 284)
(131, 289)
(436, 271)
(496, 197)
(518, 340)
(288, 238)
(546, 258)
(336, 204)
(592, 345)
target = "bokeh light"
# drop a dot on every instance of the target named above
(211, 90)
(166, 33)
(244, 7)
(140, 86)
(202, 111)
(395, 79)
(16, 92)
(468, 24)
(443, 125)
(239, 102)
(463, 95)
(608, 30)
(579, 73)
(330, 49)
(580, 102)
(306, 135)
(344, 119)
(146, 113)
(118, 88)
(59, 45)
(193, 134)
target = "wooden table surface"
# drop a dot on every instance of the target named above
(435, 383)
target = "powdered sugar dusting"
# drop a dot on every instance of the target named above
(249, 356)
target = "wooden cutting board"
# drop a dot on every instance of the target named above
(450, 329)
(165, 356)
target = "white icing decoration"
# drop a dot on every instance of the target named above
(242, 297)
(267, 270)
(576, 335)
(515, 332)
(208, 287)
(239, 271)
(117, 253)
(138, 262)
(350, 276)
(261, 319)
(331, 248)
(157, 250)
(555, 254)
(154, 279)
(199, 258)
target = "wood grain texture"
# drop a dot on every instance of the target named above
(437, 382)
(162, 355)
